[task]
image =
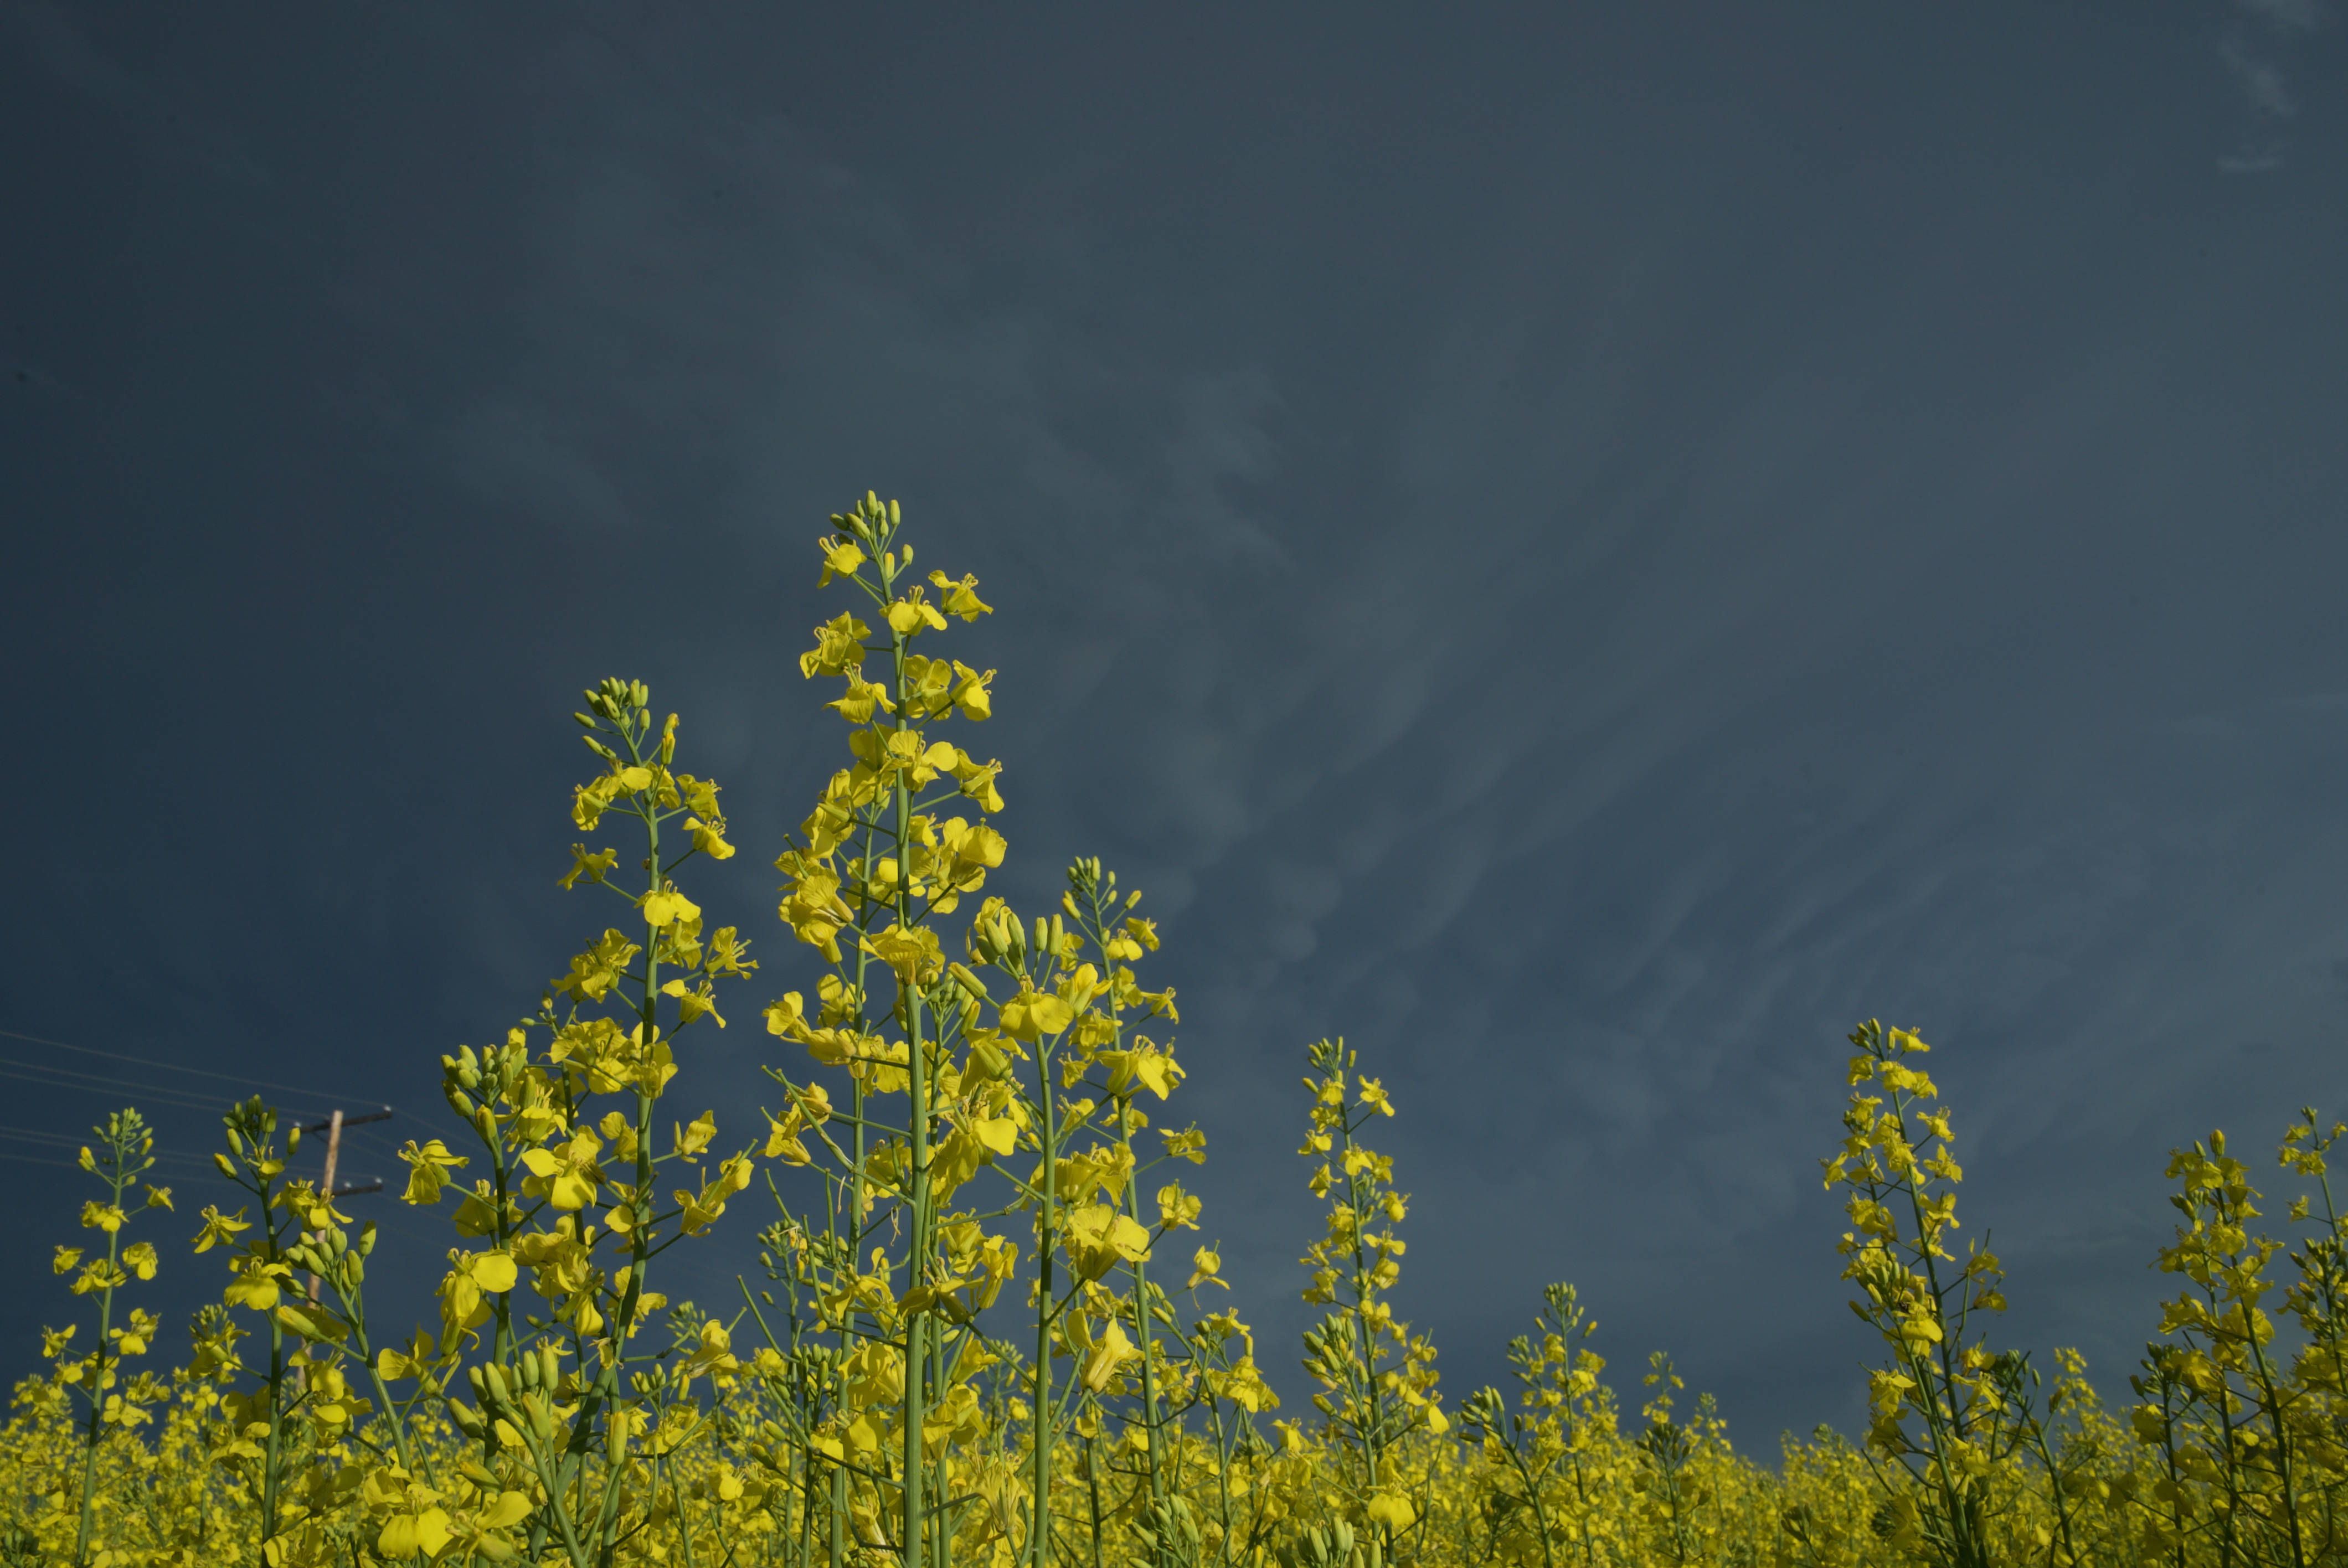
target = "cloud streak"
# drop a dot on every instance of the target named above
(1588, 608)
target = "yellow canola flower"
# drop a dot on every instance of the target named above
(1145, 1066)
(218, 1228)
(715, 1353)
(861, 700)
(406, 1535)
(839, 647)
(708, 837)
(999, 1134)
(787, 1018)
(1103, 1354)
(1177, 1208)
(841, 558)
(666, 907)
(971, 697)
(691, 1139)
(472, 1277)
(393, 1366)
(783, 1140)
(1206, 1268)
(594, 868)
(428, 1172)
(568, 1177)
(979, 847)
(961, 598)
(1098, 1238)
(1033, 1014)
(912, 615)
(694, 1001)
(913, 953)
(256, 1285)
(702, 1209)
(135, 1339)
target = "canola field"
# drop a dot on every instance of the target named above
(977, 1325)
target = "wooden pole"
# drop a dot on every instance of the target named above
(333, 1151)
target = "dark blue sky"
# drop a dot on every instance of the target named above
(1586, 549)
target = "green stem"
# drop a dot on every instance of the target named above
(1040, 1492)
(98, 1367)
(917, 1072)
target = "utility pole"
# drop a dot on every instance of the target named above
(333, 1128)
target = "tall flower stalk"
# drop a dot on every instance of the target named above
(121, 1155)
(1377, 1380)
(577, 1423)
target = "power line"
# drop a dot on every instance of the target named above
(175, 1067)
(185, 1103)
(40, 1137)
(68, 1141)
(180, 1099)
(178, 1167)
(32, 1160)
(60, 1077)
(389, 1146)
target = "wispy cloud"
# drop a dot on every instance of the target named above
(2260, 80)
(176, 129)
(2263, 92)
(2287, 16)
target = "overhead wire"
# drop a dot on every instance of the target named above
(163, 1158)
(183, 1099)
(176, 1097)
(36, 1160)
(177, 1067)
(62, 1078)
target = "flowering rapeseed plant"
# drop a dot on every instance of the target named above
(122, 1154)
(986, 1328)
